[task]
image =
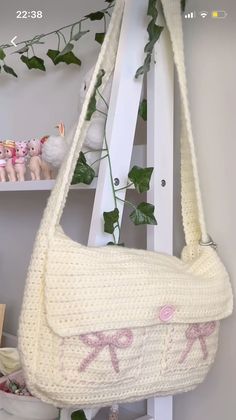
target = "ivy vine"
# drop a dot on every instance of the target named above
(138, 177)
(66, 38)
(154, 32)
(63, 53)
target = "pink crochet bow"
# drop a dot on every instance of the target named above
(198, 332)
(98, 341)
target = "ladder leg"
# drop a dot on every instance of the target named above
(160, 408)
(160, 92)
(122, 117)
(65, 414)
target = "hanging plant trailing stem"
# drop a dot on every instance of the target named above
(61, 54)
(66, 55)
(138, 177)
(154, 32)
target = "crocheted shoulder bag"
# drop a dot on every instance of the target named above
(111, 324)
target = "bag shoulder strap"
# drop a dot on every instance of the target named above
(106, 61)
(192, 209)
(191, 199)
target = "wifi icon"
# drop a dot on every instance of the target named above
(203, 14)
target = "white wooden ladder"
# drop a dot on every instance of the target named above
(121, 125)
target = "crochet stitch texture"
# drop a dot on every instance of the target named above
(110, 324)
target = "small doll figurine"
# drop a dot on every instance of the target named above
(10, 153)
(46, 167)
(34, 147)
(19, 160)
(2, 163)
(37, 165)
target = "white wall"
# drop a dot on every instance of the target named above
(33, 104)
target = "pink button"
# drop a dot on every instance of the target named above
(166, 313)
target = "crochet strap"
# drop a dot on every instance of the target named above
(192, 210)
(106, 62)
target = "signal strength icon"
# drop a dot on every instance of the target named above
(203, 14)
(190, 15)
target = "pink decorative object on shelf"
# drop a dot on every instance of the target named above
(35, 163)
(10, 153)
(2, 163)
(20, 158)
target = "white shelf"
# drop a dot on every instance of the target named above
(43, 185)
(139, 158)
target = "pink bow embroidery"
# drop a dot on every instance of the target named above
(198, 332)
(98, 341)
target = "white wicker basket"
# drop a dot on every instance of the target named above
(25, 407)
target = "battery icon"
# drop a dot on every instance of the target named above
(218, 14)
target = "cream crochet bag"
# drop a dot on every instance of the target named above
(111, 324)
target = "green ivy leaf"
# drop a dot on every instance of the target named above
(9, 70)
(140, 178)
(145, 67)
(68, 58)
(183, 4)
(33, 62)
(53, 55)
(152, 9)
(143, 215)
(143, 109)
(111, 218)
(83, 172)
(2, 54)
(22, 50)
(99, 37)
(69, 47)
(92, 103)
(78, 35)
(154, 34)
(82, 158)
(78, 415)
(95, 16)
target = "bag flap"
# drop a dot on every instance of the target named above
(95, 289)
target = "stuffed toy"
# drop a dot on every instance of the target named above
(55, 148)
